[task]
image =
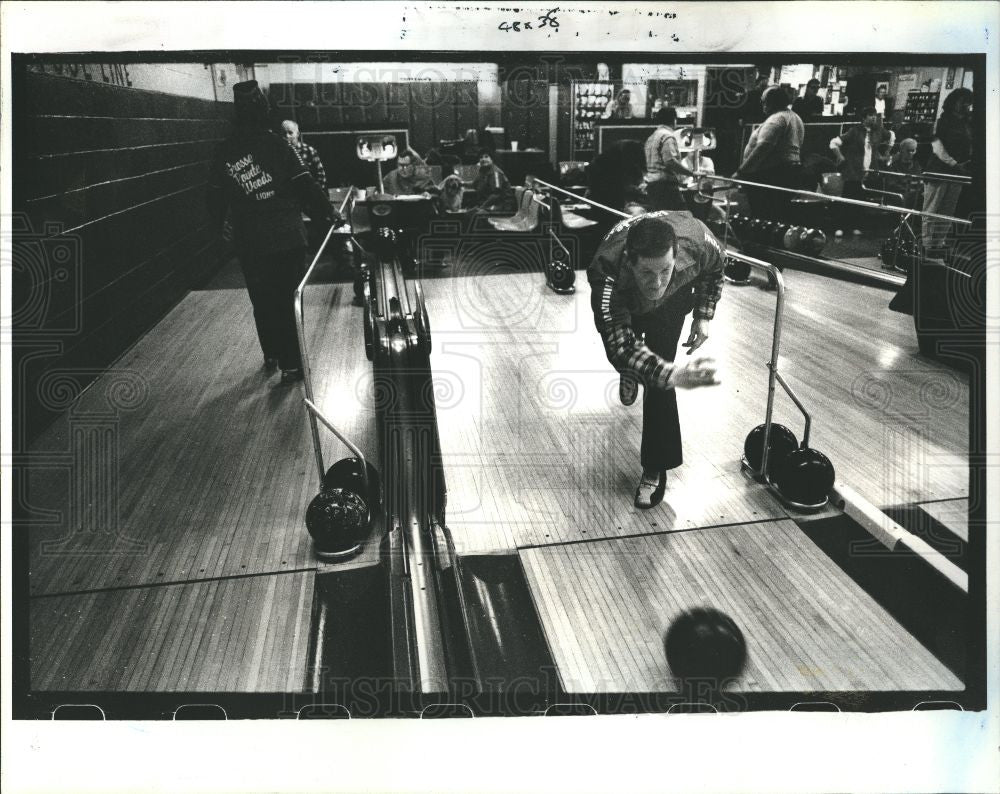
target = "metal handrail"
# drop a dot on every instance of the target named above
(834, 199)
(313, 412)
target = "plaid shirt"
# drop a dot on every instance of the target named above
(310, 159)
(615, 297)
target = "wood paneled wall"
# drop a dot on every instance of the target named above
(433, 111)
(111, 227)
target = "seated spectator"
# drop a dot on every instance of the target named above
(809, 106)
(663, 164)
(307, 154)
(493, 190)
(404, 180)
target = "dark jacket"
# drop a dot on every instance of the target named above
(852, 147)
(955, 135)
(261, 178)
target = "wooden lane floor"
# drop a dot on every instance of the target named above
(247, 634)
(205, 474)
(539, 450)
(541, 458)
(606, 605)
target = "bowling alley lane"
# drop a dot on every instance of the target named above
(538, 449)
(209, 461)
(605, 605)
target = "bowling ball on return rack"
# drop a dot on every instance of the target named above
(804, 477)
(561, 276)
(792, 239)
(348, 474)
(705, 644)
(736, 271)
(337, 521)
(778, 235)
(781, 443)
(817, 242)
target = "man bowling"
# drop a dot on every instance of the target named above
(648, 274)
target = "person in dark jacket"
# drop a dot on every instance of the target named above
(493, 190)
(809, 106)
(951, 154)
(648, 274)
(863, 147)
(257, 175)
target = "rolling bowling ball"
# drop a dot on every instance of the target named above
(791, 240)
(337, 520)
(561, 276)
(781, 444)
(805, 476)
(346, 474)
(704, 643)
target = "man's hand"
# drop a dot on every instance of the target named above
(700, 371)
(699, 333)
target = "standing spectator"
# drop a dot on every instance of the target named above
(809, 106)
(621, 108)
(307, 154)
(862, 147)
(952, 154)
(663, 164)
(493, 190)
(773, 156)
(257, 175)
(883, 104)
(752, 100)
(615, 177)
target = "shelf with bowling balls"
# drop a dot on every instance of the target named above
(795, 239)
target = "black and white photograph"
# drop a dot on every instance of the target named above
(424, 371)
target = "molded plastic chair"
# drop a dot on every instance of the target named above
(526, 219)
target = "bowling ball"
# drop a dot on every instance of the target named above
(791, 239)
(337, 520)
(346, 473)
(804, 236)
(778, 234)
(817, 242)
(805, 476)
(705, 644)
(561, 276)
(737, 271)
(781, 444)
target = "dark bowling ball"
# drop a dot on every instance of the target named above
(780, 445)
(562, 276)
(817, 242)
(705, 644)
(346, 473)
(778, 235)
(337, 521)
(791, 240)
(805, 477)
(737, 271)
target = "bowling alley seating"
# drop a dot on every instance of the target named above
(526, 219)
(568, 218)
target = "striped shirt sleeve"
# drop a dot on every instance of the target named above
(625, 352)
(708, 287)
